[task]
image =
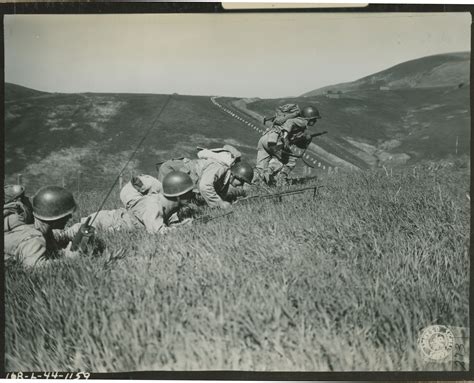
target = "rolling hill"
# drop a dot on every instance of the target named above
(15, 92)
(414, 111)
(443, 70)
(61, 135)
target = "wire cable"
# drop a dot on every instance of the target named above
(131, 157)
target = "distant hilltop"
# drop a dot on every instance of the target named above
(443, 70)
(15, 92)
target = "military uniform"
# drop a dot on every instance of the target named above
(139, 186)
(144, 208)
(28, 245)
(116, 220)
(273, 137)
(151, 214)
(211, 178)
(17, 209)
(14, 217)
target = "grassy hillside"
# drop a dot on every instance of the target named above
(413, 112)
(61, 135)
(422, 123)
(442, 70)
(268, 288)
(15, 92)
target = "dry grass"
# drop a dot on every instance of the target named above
(342, 282)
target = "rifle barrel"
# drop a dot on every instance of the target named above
(289, 192)
(207, 218)
(318, 134)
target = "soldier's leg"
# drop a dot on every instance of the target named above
(289, 163)
(275, 167)
(263, 159)
(265, 156)
(108, 220)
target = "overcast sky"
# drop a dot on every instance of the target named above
(264, 55)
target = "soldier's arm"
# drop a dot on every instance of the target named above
(209, 177)
(63, 237)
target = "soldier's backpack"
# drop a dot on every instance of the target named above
(227, 155)
(17, 208)
(283, 114)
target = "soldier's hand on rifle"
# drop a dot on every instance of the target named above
(84, 237)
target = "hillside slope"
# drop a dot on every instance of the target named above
(15, 92)
(443, 70)
(415, 111)
(63, 134)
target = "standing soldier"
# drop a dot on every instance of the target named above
(211, 178)
(32, 244)
(278, 142)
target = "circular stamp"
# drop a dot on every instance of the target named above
(436, 342)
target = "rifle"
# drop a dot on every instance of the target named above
(83, 237)
(305, 139)
(311, 136)
(281, 194)
(317, 134)
(207, 218)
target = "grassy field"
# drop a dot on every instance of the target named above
(344, 281)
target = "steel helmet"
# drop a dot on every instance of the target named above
(12, 192)
(242, 171)
(53, 202)
(177, 183)
(310, 113)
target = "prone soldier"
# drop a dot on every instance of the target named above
(154, 206)
(35, 243)
(214, 180)
(149, 204)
